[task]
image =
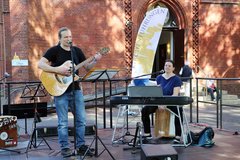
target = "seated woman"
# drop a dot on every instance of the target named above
(211, 88)
(171, 85)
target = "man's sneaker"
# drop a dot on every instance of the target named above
(66, 152)
(82, 150)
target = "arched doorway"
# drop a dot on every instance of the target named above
(172, 43)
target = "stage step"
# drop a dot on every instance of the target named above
(224, 97)
(52, 131)
(228, 100)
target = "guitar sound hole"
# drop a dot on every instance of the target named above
(57, 78)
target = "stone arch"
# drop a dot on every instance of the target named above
(175, 7)
(179, 14)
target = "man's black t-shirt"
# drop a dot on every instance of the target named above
(57, 56)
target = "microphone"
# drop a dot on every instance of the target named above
(69, 42)
(154, 73)
(6, 75)
(160, 72)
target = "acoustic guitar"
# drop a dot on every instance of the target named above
(57, 84)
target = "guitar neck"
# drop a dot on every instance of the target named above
(83, 63)
(102, 52)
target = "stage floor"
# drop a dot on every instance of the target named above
(226, 144)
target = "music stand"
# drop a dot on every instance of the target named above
(107, 74)
(34, 91)
(98, 75)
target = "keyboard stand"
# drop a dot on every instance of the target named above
(184, 128)
(122, 111)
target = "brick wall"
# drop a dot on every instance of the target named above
(98, 23)
(219, 37)
(1, 40)
(19, 38)
(5, 41)
(233, 87)
(94, 24)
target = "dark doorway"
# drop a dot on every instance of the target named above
(178, 36)
(164, 50)
(160, 57)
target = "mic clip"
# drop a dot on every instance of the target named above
(6, 75)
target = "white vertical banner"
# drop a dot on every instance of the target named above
(147, 41)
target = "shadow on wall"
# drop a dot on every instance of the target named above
(233, 70)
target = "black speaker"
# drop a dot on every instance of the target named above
(158, 152)
(25, 110)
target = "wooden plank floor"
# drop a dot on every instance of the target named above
(226, 147)
(226, 144)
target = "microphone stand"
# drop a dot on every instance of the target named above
(3, 78)
(150, 74)
(6, 75)
(73, 99)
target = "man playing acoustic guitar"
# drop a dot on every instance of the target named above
(57, 62)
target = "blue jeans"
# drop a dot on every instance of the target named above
(211, 92)
(62, 103)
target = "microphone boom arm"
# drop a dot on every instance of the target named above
(6, 75)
